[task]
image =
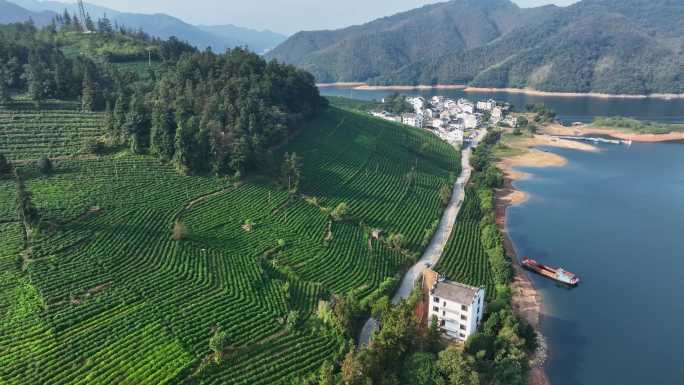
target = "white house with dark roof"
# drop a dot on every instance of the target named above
(459, 308)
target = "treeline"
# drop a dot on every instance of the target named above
(206, 112)
(215, 113)
(487, 177)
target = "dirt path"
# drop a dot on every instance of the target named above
(435, 249)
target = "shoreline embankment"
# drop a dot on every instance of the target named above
(557, 129)
(527, 91)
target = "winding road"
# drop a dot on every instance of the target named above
(435, 249)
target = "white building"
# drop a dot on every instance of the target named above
(466, 106)
(497, 114)
(458, 308)
(470, 121)
(486, 105)
(415, 120)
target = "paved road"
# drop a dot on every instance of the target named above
(434, 251)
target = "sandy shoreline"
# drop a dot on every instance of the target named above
(557, 129)
(526, 91)
(527, 301)
(366, 87)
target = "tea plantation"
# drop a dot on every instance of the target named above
(108, 297)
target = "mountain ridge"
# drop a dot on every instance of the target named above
(606, 46)
(162, 25)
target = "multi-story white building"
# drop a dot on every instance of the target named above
(415, 120)
(458, 308)
(486, 105)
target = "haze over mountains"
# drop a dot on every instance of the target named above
(159, 25)
(611, 46)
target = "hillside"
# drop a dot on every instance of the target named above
(136, 305)
(12, 13)
(609, 46)
(160, 25)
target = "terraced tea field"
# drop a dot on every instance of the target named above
(57, 130)
(110, 298)
(464, 259)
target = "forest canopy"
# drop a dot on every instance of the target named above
(206, 112)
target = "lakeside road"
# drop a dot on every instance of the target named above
(435, 249)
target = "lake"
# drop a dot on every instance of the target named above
(569, 109)
(616, 218)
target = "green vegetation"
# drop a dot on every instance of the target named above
(152, 277)
(354, 104)
(637, 126)
(396, 104)
(609, 46)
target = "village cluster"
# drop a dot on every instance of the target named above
(453, 120)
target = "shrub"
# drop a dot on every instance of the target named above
(45, 165)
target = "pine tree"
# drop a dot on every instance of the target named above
(119, 118)
(26, 211)
(137, 125)
(5, 167)
(185, 145)
(88, 93)
(34, 75)
(163, 132)
(4, 87)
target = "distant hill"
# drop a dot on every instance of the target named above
(258, 41)
(612, 46)
(164, 26)
(12, 13)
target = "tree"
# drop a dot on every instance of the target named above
(5, 167)
(163, 132)
(351, 368)
(179, 231)
(292, 320)
(521, 122)
(4, 86)
(397, 241)
(454, 368)
(88, 93)
(185, 145)
(218, 343)
(340, 212)
(420, 369)
(326, 374)
(27, 213)
(119, 118)
(291, 171)
(45, 165)
(445, 194)
(137, 125)
(34, 74)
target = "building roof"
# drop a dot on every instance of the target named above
(455, 291)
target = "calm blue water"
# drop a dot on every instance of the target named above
(575, 109)
(616, 218)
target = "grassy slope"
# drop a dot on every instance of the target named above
(111, 298)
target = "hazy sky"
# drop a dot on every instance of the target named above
(285, 16)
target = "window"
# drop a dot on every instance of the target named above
(444, 303)
(462, 327)
(464, 318)
(462, 335)
(435, 309)
(436, 300)
(464, 307)
(444, 313)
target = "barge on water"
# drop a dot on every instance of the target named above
(556, 274)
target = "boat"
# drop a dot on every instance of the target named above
(555, 274)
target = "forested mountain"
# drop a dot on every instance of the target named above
(11, 13)
(161, 25)
(612, 46)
